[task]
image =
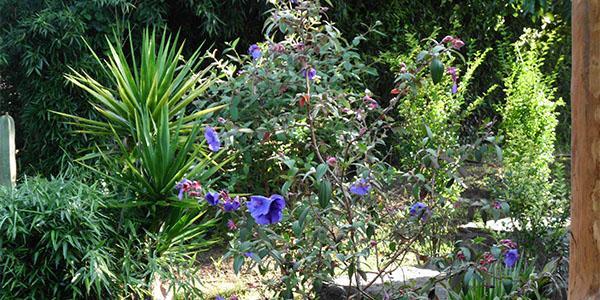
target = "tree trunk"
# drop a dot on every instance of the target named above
(584, 264)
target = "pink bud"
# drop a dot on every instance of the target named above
(231, 225)
(196, 185)
(447, 39)
(278, 48)
(332, 161)
(457, 44)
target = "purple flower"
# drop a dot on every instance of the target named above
(511, 257)
(266, 210)
(212, 198)
(452, 72)
(311, 73)
(219, 298)
(231, 204)
(254, 50)
(249, 254)
(419, 209)
(212, 138)
(361, 187)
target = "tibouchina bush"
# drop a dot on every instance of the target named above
(315, 140)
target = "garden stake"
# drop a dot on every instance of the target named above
(8, 165)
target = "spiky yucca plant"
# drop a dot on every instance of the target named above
(144, 112)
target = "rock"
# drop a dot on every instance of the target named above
(402, 277)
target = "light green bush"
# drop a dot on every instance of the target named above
(529, 124)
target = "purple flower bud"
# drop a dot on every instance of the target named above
(370, 102)
(509, 244)
(183, 187)
(452, 72)
(310, 74)
(497, 205)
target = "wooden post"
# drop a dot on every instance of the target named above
(584, 261)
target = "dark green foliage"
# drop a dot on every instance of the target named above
(53, 238)
(41, 39)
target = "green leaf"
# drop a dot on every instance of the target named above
(508, 285)
(321, 170)
(496, 252)
(468, 276)
(238, 262)
(286, 187)
(436, 68)
(324, 193)
(466, 252)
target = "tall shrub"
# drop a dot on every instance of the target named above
(529, 125)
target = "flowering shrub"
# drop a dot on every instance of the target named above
(312, 135)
